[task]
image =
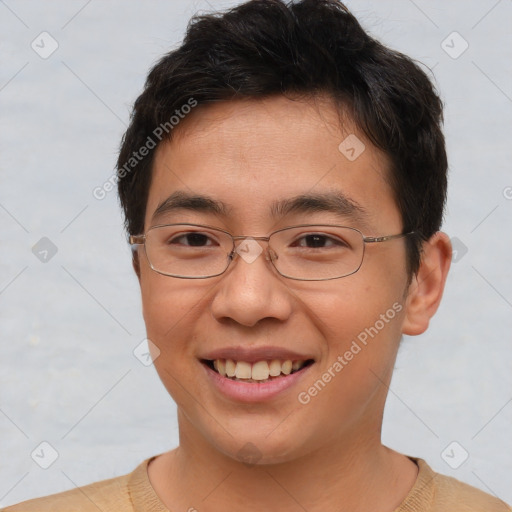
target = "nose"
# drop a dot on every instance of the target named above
(251, 290)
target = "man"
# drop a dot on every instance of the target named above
(283, 181)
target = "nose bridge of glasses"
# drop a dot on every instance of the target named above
(252, 248)
(244, 237)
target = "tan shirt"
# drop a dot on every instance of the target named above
(133, 492)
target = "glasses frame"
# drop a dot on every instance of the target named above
(137, 240)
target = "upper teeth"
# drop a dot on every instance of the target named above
(260, 370)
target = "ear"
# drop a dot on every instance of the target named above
(427, 286)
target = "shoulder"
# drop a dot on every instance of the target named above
(106, 495)
(453, 494)
(449, 494)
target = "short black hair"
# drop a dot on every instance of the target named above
(263, 48)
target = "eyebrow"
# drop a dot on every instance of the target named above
(181, 200)
(331, 202)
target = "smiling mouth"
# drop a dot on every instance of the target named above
(257, 372)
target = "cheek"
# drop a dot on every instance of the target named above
(361, 315)
(167, 307)
(168, 310)
(361, 329)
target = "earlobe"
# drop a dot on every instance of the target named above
(427, 286)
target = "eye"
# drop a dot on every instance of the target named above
(192, 239)
(319, 241)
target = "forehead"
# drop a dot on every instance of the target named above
(252, 155)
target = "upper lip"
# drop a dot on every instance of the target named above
(254, 354)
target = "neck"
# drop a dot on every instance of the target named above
(350, 473)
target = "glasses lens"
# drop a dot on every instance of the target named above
(317, 252)
(191, 251)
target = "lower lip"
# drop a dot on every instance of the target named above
(253, 391)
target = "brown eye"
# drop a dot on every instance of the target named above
(192, 239)
(318, 241)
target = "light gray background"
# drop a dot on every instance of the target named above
(69, 326)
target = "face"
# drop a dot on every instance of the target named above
(249, 155)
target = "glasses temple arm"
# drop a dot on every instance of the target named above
(371, 239)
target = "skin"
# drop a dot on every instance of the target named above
(326, 455)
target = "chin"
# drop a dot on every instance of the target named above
(260, 450)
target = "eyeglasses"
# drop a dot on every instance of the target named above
(308, 252)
